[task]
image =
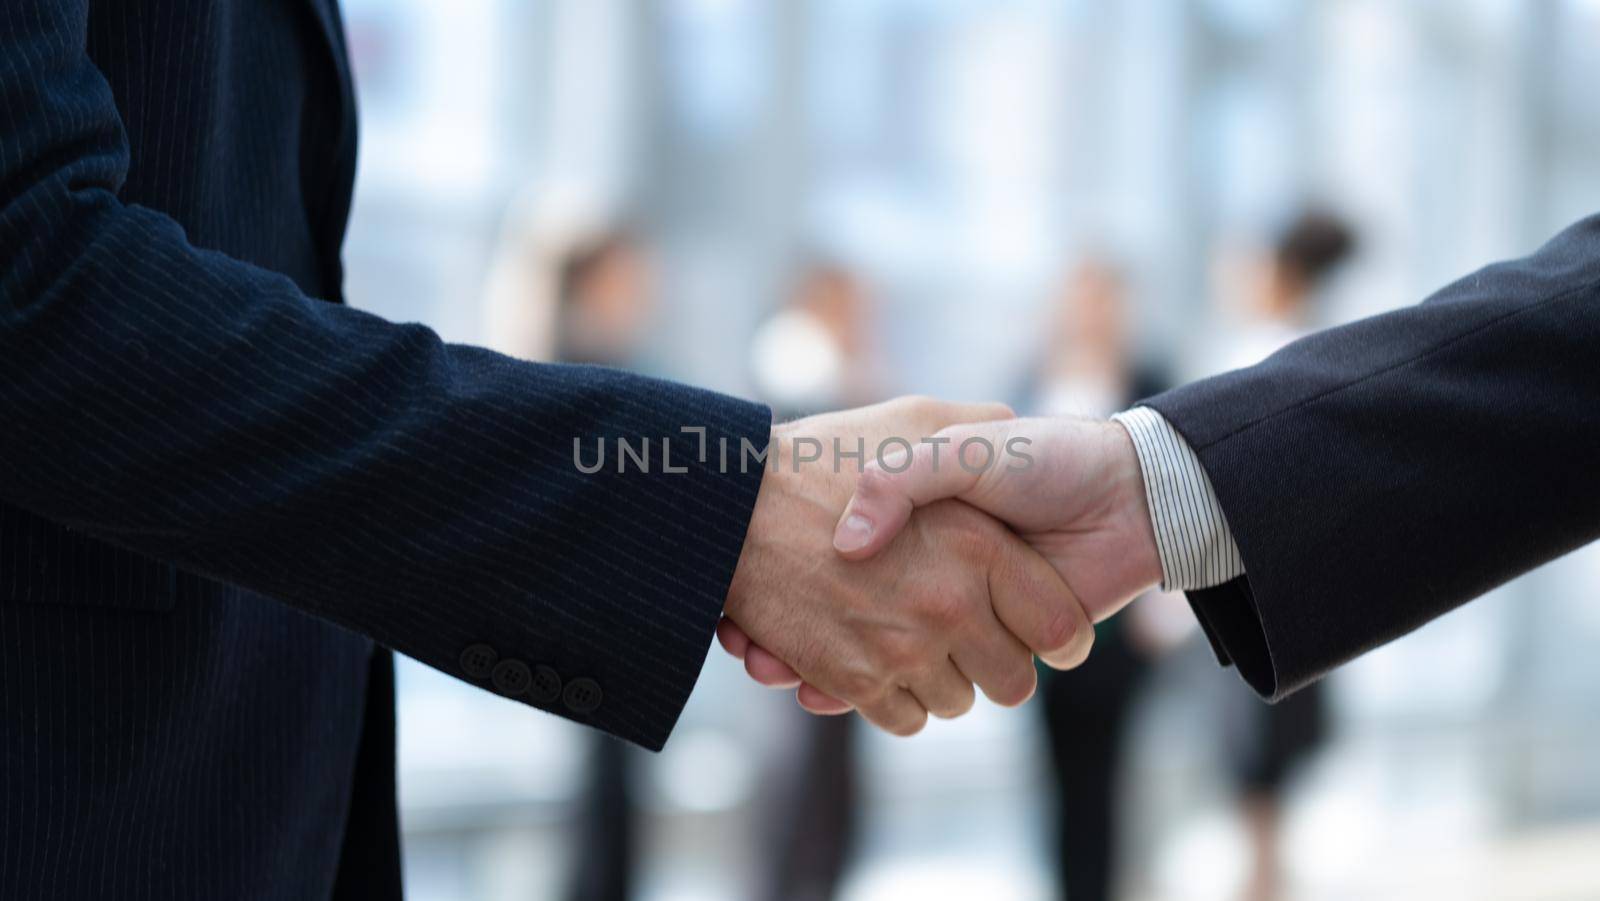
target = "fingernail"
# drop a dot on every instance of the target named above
(852, 534)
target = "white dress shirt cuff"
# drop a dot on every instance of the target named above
(1192, 537)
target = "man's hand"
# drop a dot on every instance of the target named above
(1077, 496)
(957, 600)
(1079, 500)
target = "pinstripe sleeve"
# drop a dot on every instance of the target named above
(204, 412)
(1197, 549)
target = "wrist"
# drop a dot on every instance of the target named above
(772, 511)
(755, 528)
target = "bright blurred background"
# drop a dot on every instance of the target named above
(1057, 204)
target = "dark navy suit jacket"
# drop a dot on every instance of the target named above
(1378, 475)
(222, 500)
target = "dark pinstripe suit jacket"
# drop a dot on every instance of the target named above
(218, 496)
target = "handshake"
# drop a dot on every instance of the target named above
(901, 554)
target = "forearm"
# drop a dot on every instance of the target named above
(204, 412)
(1380, 474)
(200, 411)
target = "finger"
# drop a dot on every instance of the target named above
(732, 638)
(817, 701)
(762, 666)
(927, 414)
(962, 414)
(898, 713)
(888, 490)
(1001, 665)
(1032, 601)
(944, 692)
(774, 673)
(769, 670)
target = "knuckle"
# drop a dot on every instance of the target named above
(917, 404)
(954, 435)
(970, 538)
(860, 686)
(874, 482)
(901, 652)
(945, 609)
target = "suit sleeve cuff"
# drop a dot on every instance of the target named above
(1199, 555)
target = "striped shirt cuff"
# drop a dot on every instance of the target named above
(1197, 549)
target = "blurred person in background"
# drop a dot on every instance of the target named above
(1087, 369)
(816, 353)
(571, 281)
(604, 296)
(1277, 294)
(570, 284)
(578, 288)
(1278, 302)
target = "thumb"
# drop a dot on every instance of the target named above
(948, 465)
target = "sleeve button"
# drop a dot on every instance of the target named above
(582, 695)
(478, 661)
(511, 677)
(546, 685)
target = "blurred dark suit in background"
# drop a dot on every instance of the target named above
(814, 354)
(1278, 296)
(604, 295)
(1086, 369)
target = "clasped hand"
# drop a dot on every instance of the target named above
(895, 587)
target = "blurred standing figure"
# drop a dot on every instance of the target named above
(1086, 370)
(1280, 299)
(568, 289)
(605, 293)
(814, 354)
(568, 283)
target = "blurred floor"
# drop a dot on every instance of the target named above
(1459, 810)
